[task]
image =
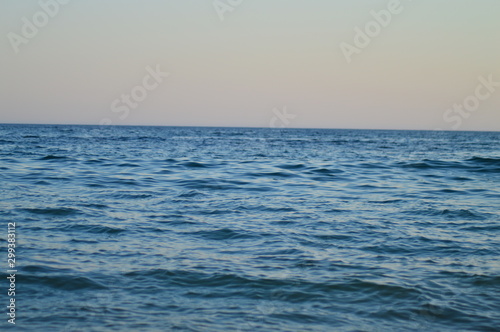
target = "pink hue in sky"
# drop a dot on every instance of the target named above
(263, 55)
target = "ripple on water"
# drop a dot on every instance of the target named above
(53, 211)
(61, 282)
(86, 228)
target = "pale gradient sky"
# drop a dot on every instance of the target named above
(265, 54)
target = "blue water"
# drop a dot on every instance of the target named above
(230, 229)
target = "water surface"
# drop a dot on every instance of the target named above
(230, 229)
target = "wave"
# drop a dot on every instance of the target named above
(194, 164)
(325, 171)
(448, 213)
(223, 234)
(132, 196)
(483, 228)
(60, 282)
(124, 182)
(292, 166)
(277, 174)
(476, 164)
(191, 194)
(53, 211)
(44, 269)
(189, 278)
(128, 165)
(205, 184)
(483, 160)
(292, 289)
(96, 161)
(97, 229)
(52, 157)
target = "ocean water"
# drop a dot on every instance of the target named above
(233, 229)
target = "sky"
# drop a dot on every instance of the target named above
(378, 64)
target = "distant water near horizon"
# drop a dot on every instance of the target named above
(247, 229)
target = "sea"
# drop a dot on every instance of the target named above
(144, 228)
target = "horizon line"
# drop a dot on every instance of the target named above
(237, 127)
